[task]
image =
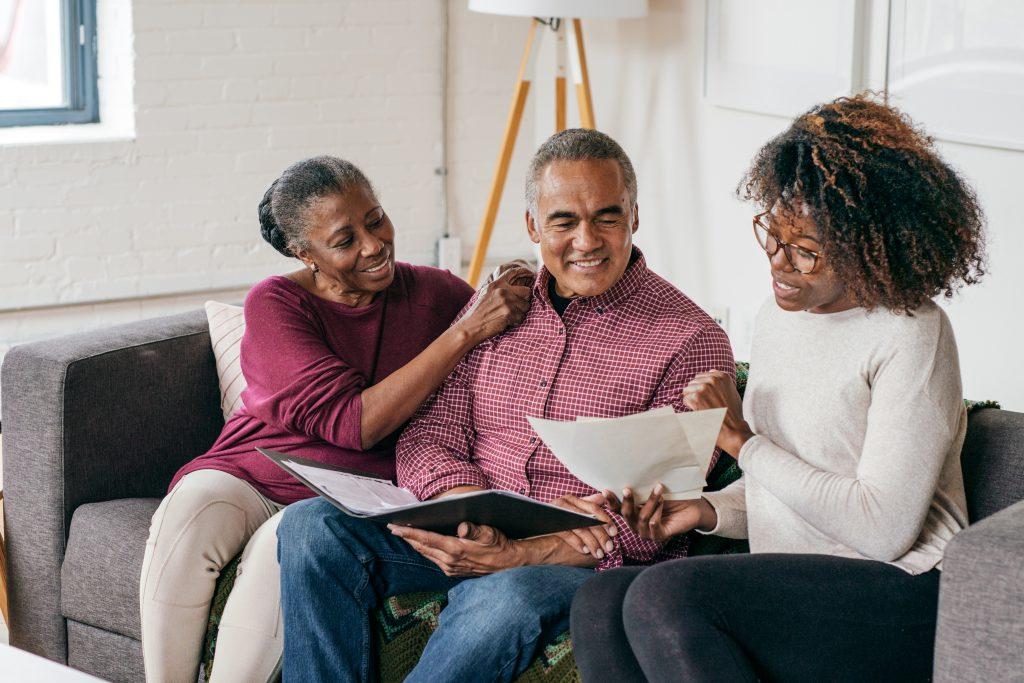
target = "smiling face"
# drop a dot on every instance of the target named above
(351, 241)
(584, 225)
(819, 291)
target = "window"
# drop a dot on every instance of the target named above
(47, 62)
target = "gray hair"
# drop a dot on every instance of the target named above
(283, 209)
(577, 144)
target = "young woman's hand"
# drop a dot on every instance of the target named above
(717, 389)
(660, 520)
(499, 305)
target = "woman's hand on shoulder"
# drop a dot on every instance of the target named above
(500, 304)
(523, 274)
(661, 520)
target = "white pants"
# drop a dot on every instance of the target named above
(202, 524)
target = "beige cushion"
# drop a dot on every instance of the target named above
(227, 324)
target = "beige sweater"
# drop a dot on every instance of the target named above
(859, 420)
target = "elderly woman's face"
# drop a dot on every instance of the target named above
(352, 241)
(819, 291)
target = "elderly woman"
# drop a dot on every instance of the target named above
(337, 356)
(849, 434)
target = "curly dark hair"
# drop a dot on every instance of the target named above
(897, 224)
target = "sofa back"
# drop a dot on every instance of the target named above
(993, 461)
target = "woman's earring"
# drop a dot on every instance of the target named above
(313, 267)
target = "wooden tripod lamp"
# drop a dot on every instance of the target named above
(550, 15)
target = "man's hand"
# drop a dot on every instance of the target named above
(477, 551)
(589, 540)
(717, 389)
(659, 519)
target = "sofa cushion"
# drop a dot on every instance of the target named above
(993, 461)
(103, 563)
(110, 656)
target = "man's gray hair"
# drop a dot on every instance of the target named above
(577, 144)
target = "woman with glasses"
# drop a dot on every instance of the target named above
(849, 433)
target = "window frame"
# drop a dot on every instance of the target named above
(80, 74)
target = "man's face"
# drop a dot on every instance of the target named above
(584, 225)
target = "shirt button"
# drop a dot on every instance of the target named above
(561, 331)
(522, 490)
(543, 382)
(533, 439)
(600, 310)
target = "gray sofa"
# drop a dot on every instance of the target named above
(95, 424)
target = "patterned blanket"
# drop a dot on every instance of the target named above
(404, 623)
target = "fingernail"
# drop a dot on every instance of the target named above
(599, 554)
(609, 546)
(586, 550)
(612, 530)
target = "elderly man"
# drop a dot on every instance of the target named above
(604, 337)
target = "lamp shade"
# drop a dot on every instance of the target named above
(577, 9)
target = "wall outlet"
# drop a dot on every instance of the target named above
(449, 255)
(721, 316)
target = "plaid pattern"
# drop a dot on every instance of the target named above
(631, 349)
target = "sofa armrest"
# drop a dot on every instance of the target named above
(981, 601)
(87, 418)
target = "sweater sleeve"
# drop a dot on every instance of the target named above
(295, 381)
(915, 414)
(730, 505)
(709, 349)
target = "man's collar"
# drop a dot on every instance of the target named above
(634, 277)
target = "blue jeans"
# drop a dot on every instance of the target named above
(336, 569)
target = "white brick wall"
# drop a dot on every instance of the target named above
(227, 94)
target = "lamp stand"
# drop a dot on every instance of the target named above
(569, 43)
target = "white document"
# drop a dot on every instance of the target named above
(359, 494)
(637, 451)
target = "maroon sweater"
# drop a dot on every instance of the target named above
(306, 361)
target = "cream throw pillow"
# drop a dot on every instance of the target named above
(227, 324)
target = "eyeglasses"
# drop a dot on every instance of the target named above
(802, 260)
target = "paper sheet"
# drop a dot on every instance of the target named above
(359, 494)
(637, 451)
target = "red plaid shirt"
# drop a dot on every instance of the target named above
(628, 350)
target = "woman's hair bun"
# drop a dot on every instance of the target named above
(268, 225)
(283, 209)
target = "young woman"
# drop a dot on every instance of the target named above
(337, 356)
(849, 434)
